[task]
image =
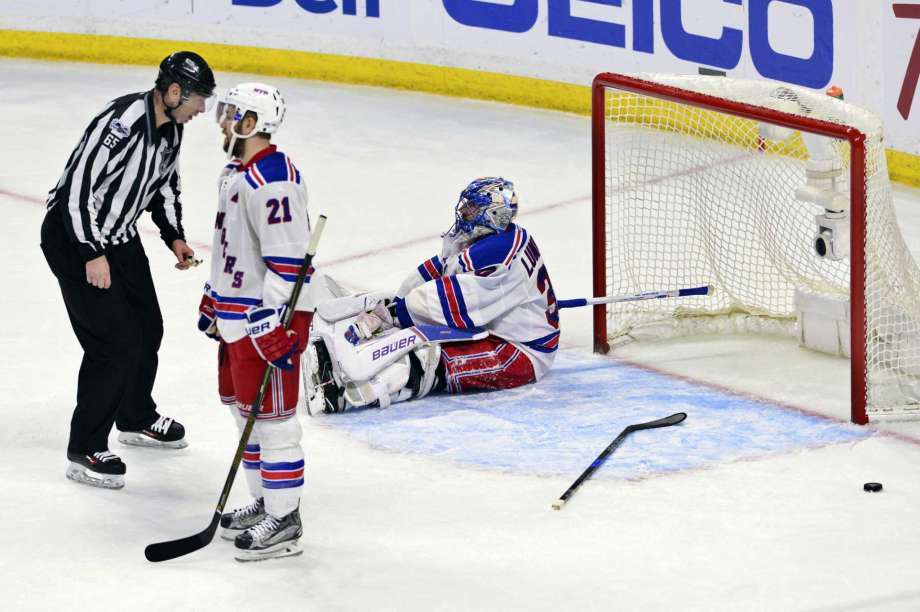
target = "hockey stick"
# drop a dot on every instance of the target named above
(635, 297)
(674, 419)
(164, 551)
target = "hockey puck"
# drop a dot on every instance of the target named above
(872, 487)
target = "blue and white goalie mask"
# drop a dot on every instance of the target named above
(488, 205)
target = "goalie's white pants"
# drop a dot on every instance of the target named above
(274, 462)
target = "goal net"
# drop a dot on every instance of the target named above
(740, 185)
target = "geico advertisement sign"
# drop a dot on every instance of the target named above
(321, 7)
(668, 34)
(724, 51)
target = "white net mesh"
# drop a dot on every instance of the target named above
(699, 197)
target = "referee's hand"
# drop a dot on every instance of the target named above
(184, 254)
(97, 272)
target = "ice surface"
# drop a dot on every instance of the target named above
(755, 503)
(550, 428)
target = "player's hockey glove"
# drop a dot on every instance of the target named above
(207, 318)
(273, 344)
(381, 318)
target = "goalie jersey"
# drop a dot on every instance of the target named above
(261, 234)
(499, 283)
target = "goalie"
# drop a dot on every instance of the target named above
(481, 315)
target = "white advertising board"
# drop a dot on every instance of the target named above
(866, 47)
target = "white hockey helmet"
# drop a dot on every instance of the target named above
(263, 100)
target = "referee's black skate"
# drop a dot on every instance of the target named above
(99, 469)
(162, 433)
(270, 538)
(236, 521)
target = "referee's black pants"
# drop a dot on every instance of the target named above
(119, 328)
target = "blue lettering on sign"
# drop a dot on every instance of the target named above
(320, 7)
(520, 16)
(815, 71)
(643, 26)
(563, 24)
(722, 52)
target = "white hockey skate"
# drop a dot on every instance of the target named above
(101, 469)
(162, 433)
(270, 538)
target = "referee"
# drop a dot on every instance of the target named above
(125, 163)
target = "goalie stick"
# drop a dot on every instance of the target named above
(164, 551)
(674, 419)
(635, 297)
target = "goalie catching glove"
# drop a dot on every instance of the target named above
(379, 318)
(272, 342)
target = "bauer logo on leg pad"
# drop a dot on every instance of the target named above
(392, 346)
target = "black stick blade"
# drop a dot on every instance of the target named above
(674, 419)
(164, 551)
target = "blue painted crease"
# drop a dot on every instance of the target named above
(559, 425)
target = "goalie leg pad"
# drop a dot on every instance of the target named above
(323, 288)
(364, 361)
(413, 376)
(425, 362)
(384, 387)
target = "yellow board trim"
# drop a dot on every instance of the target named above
(903, 167)
(457, 82)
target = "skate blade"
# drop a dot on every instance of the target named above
(230, 534)
(133, 438)
(284, 549)
(80, 474)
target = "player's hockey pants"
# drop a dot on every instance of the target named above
(119, 328)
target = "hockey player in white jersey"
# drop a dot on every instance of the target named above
(481, 315)
(261, 233)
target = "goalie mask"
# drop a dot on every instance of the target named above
(264, 101)
(487, 205)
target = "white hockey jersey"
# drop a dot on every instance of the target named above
(261, 234)
(499, 283)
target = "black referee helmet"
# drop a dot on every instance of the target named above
(189, 71)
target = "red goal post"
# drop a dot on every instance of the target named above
(609, 84)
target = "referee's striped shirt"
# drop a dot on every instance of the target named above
(122, 166)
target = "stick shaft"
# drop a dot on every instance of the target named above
(634, 297)
(594, 465)
(674, 419)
